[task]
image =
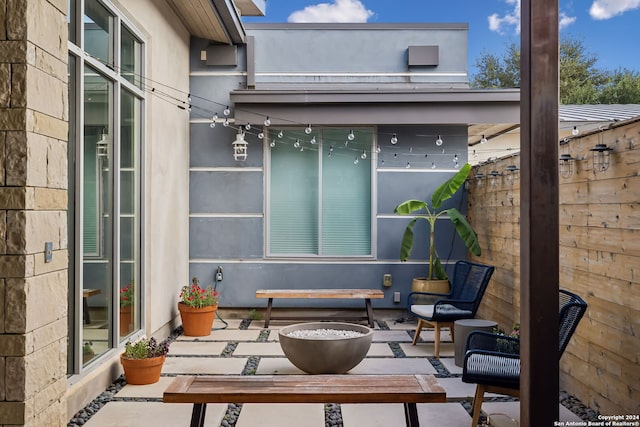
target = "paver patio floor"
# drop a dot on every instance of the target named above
(250, 349)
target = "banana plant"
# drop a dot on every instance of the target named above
(431, 214)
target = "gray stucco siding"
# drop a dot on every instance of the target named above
(225, 238)
(226, 192)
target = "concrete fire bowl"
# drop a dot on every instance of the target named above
(316, 352)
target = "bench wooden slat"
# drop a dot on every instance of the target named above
(305, 389)
(320, 293)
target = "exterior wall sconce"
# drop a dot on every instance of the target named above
(512, 172)
(601, 157)
(565, 165)
(240, 148)
(494, 177)
(479, 178)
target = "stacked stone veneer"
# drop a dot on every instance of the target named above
(33, 210)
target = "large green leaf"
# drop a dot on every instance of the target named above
(465, 231)
(410, 206)
(448, 188)
(407, 240)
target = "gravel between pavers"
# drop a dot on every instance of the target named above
(333, 414)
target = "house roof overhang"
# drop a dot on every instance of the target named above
(217, 20)
(378, 107)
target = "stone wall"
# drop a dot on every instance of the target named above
(33, 210)
(599, 260)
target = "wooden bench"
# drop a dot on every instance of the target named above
(366, 294)
(346, 388)
(86, 293)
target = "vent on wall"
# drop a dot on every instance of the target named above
(423, 56)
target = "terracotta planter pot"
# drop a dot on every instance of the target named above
(197, 322)
(126, 321)
(142, 371)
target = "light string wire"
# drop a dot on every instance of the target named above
(185, 102)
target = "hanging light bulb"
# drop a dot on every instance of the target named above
(212, 125)
(297, 143)
(455, 161)
(395, 155)
(575, 131)
(408, 166)
(225, 123)
(189, 97)
(378, 149)
(301, 149)
(215, 117)
(247, 126)
(267, 122)
(313, 140)
(356, 161)
(351, 136)
(226, 111)
(433, 165)
(330, 148)
(260, 135)
(411, 149)
(307, 130)
(280, 134)
(363, 155)
(272, 143)
(394, 139)
(439, 141)
(483, 140)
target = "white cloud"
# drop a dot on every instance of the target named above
(511, 19)
(565, 20)
(338, 11)
(605, 9)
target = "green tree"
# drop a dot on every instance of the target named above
(581, 82)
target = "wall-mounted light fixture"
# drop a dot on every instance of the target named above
(494, 176)
(601, 157)
(566, 165)
(240, 148)
(479, 178)
(511, 173)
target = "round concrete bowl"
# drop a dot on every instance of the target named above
(325, 355)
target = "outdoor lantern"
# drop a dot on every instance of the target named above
(494, 177)
(240, 148)
(511, 173)
(601, 157)
(565, 166)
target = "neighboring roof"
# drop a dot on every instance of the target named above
(598, 112)
(217, 20)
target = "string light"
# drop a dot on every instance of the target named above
(297, 144)
(307, 130)
(483, 140)
(267, 122)
(575, 131)
(439, 141)
(225, 123)
(280, 134)
(394, 139)
(408, 165)
(260, 135)
(313, 140)
(363, 155)
(356, 161)
(247, 126)
(351, 136)
(226, 111)
(272, 143)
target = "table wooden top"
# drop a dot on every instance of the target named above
(319, 293)
(342, 388)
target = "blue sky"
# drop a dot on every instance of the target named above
(608, 28)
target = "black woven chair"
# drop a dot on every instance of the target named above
(493, 361)
(469, 282)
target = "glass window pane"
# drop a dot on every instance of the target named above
(98, 31)
(346, 194)
(293, 216)
(129, 214)
(130, 53)
(97, 256)
(71, 20)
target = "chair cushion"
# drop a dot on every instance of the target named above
(447, 310)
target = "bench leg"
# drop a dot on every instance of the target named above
(367, 304)
(197, 415)
(267, 316)
(411, 415)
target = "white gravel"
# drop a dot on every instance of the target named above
(324, 333)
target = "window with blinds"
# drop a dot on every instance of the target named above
(319, 193)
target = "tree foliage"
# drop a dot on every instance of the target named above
(581, 81)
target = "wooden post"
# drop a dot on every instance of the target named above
(539, 275)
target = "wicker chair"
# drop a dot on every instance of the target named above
(470, 280)
(493, 361)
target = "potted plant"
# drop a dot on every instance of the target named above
(142, 360)
(126, 306)
(87, 352)
(197, 309)
(436, 279)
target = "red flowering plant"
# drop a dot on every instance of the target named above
(126, 295)
(196, 296)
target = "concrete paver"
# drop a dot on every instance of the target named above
(157, 414)
(281, 414)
